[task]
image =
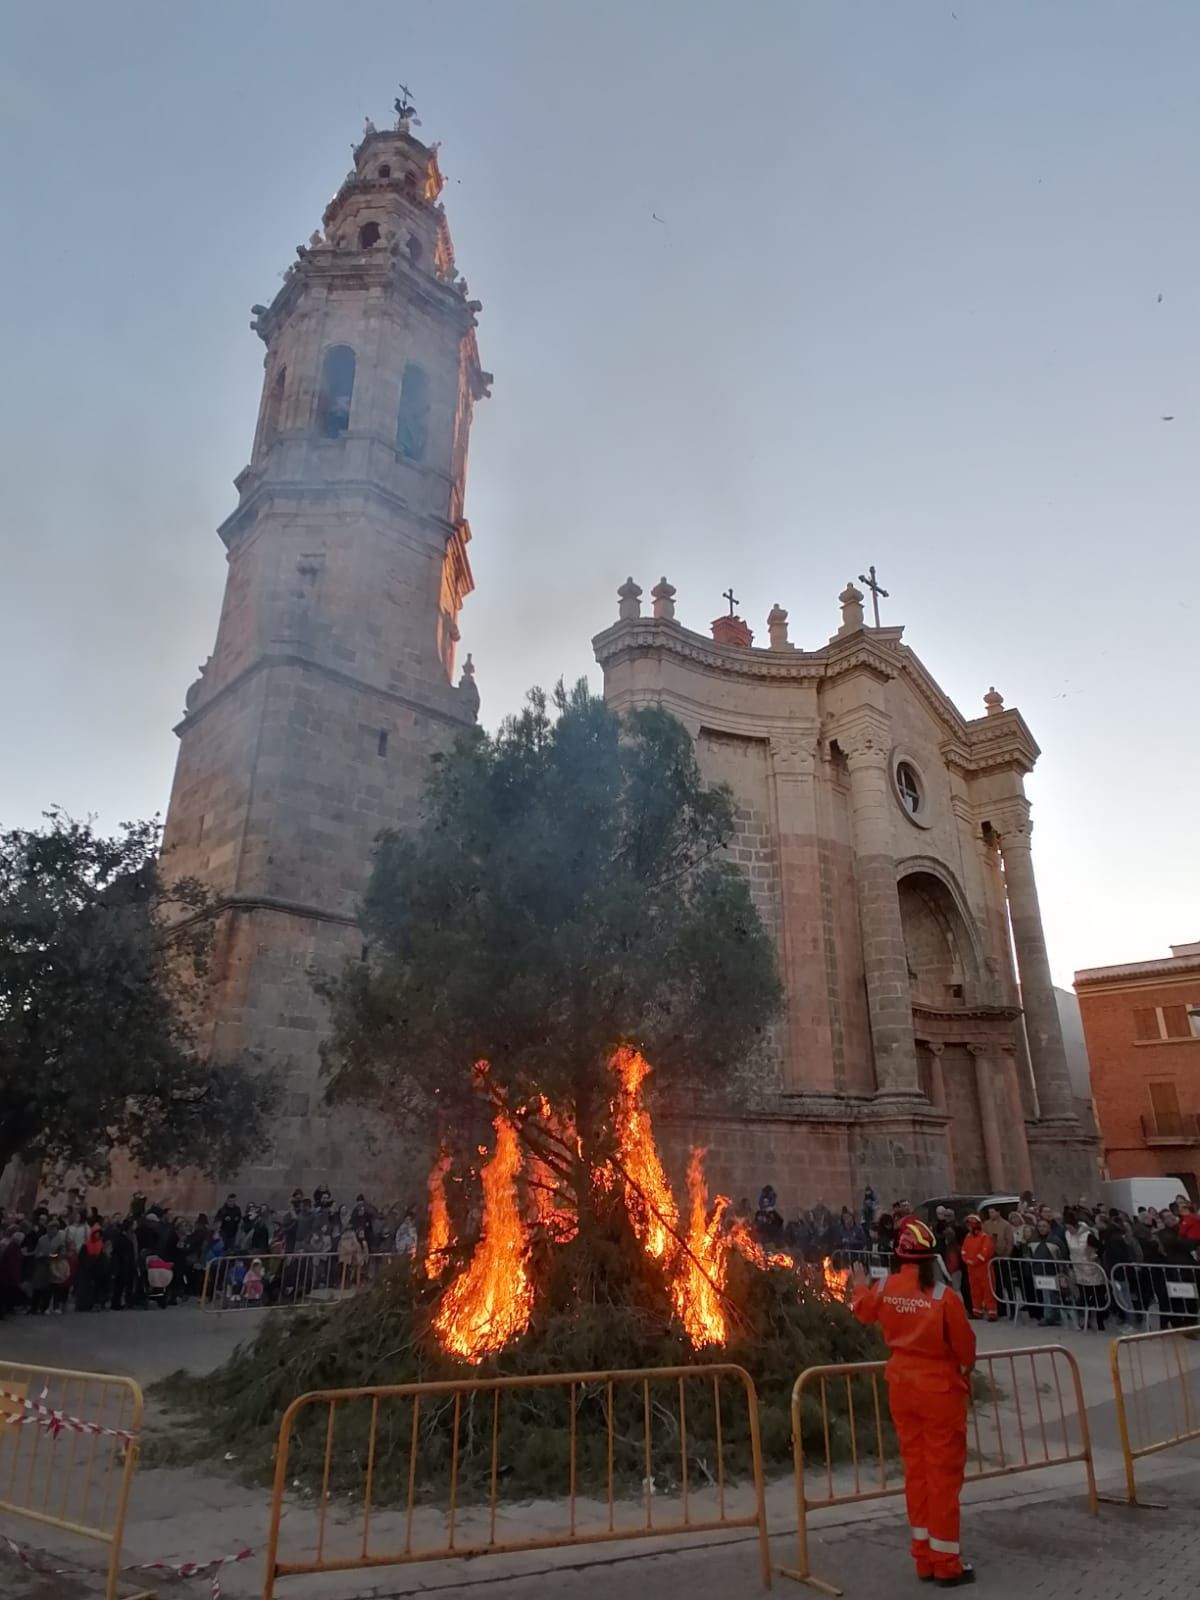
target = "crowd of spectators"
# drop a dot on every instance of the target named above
(1053, 1264)
(71, 1257)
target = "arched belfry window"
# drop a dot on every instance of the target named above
(368, 235)
(337, 391)
(412, 423)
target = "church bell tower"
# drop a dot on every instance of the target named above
(311, 725)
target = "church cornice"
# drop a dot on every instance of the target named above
(448, 714)
(324, 267)
(650, 636)
(241, 521)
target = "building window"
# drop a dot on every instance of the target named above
(1154, 1023)
(908, 787)
(368, 235)
(413, 246)
(384, 171)
(381, 745)
(337, 391)
(412, 423)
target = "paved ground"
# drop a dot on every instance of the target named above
(1029, 1535)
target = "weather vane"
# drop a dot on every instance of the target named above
(405, 110)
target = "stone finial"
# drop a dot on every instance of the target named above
(851, 600)
(630, 596)
(663, 595)
(731, 630)
(994, 702)
(315, 239)
(777, 621)
(467, 687)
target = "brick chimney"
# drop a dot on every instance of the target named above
(732, 630)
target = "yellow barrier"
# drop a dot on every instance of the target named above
(288, 1281)
(405, 1442)
(68, 1450)
(1166, 1408)
(1004, 1431)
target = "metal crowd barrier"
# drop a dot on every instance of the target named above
(878, 1265)
(288, 1281)
(417, 1470)
(1019, 1421)
(68, 1451)
(1051, 1288)
(1156, 1384)
(1164, 1294)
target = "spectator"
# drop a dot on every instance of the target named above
(252, 1283)
(406, 1234)
(229, 1220)
(1046, 1256)
(1000, 1233)
(1189, 1222)
(88, 1278)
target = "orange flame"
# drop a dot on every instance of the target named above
(699, 1271)
(742, 1239)
(835, 1281)
(490, 1302)
(648, 1198)
(551, 1209)
(440, 1238)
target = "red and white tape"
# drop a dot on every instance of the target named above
(194, 1569)
(171, 1569)
(56, 1422)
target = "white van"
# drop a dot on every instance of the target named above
(1130, 1194)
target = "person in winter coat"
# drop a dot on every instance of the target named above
(1000, 1232)
(1045, 1257)
(932, 1352)
(88, 1278)
(978, 1248)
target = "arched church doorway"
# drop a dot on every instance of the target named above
(951, 1026)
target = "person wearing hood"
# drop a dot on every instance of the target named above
(932, 1347)
(978, 1248)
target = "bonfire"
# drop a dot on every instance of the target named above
(488, 1304)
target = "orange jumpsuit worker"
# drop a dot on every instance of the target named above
(932, 1349)
(978, 1248)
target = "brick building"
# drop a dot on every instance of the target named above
(887, 837)
(1142, 1024)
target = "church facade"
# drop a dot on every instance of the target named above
(887, 841)
(886, 837)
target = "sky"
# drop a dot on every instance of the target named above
(772, 290)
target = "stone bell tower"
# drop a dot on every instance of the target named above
(311, 725)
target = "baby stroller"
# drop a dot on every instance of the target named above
(159, 1276)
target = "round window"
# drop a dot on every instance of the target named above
(908, 787)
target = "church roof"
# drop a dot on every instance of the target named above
(1000, 738)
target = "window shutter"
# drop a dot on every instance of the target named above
(1145, 1023)
(1175, 1019)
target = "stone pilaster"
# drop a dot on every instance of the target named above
(1049, 1058)
(989, 1120)
(865, 738)
(1015, 1105)
(810, 1056)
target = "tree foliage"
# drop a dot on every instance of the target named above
(567, 891)
(101, 967)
